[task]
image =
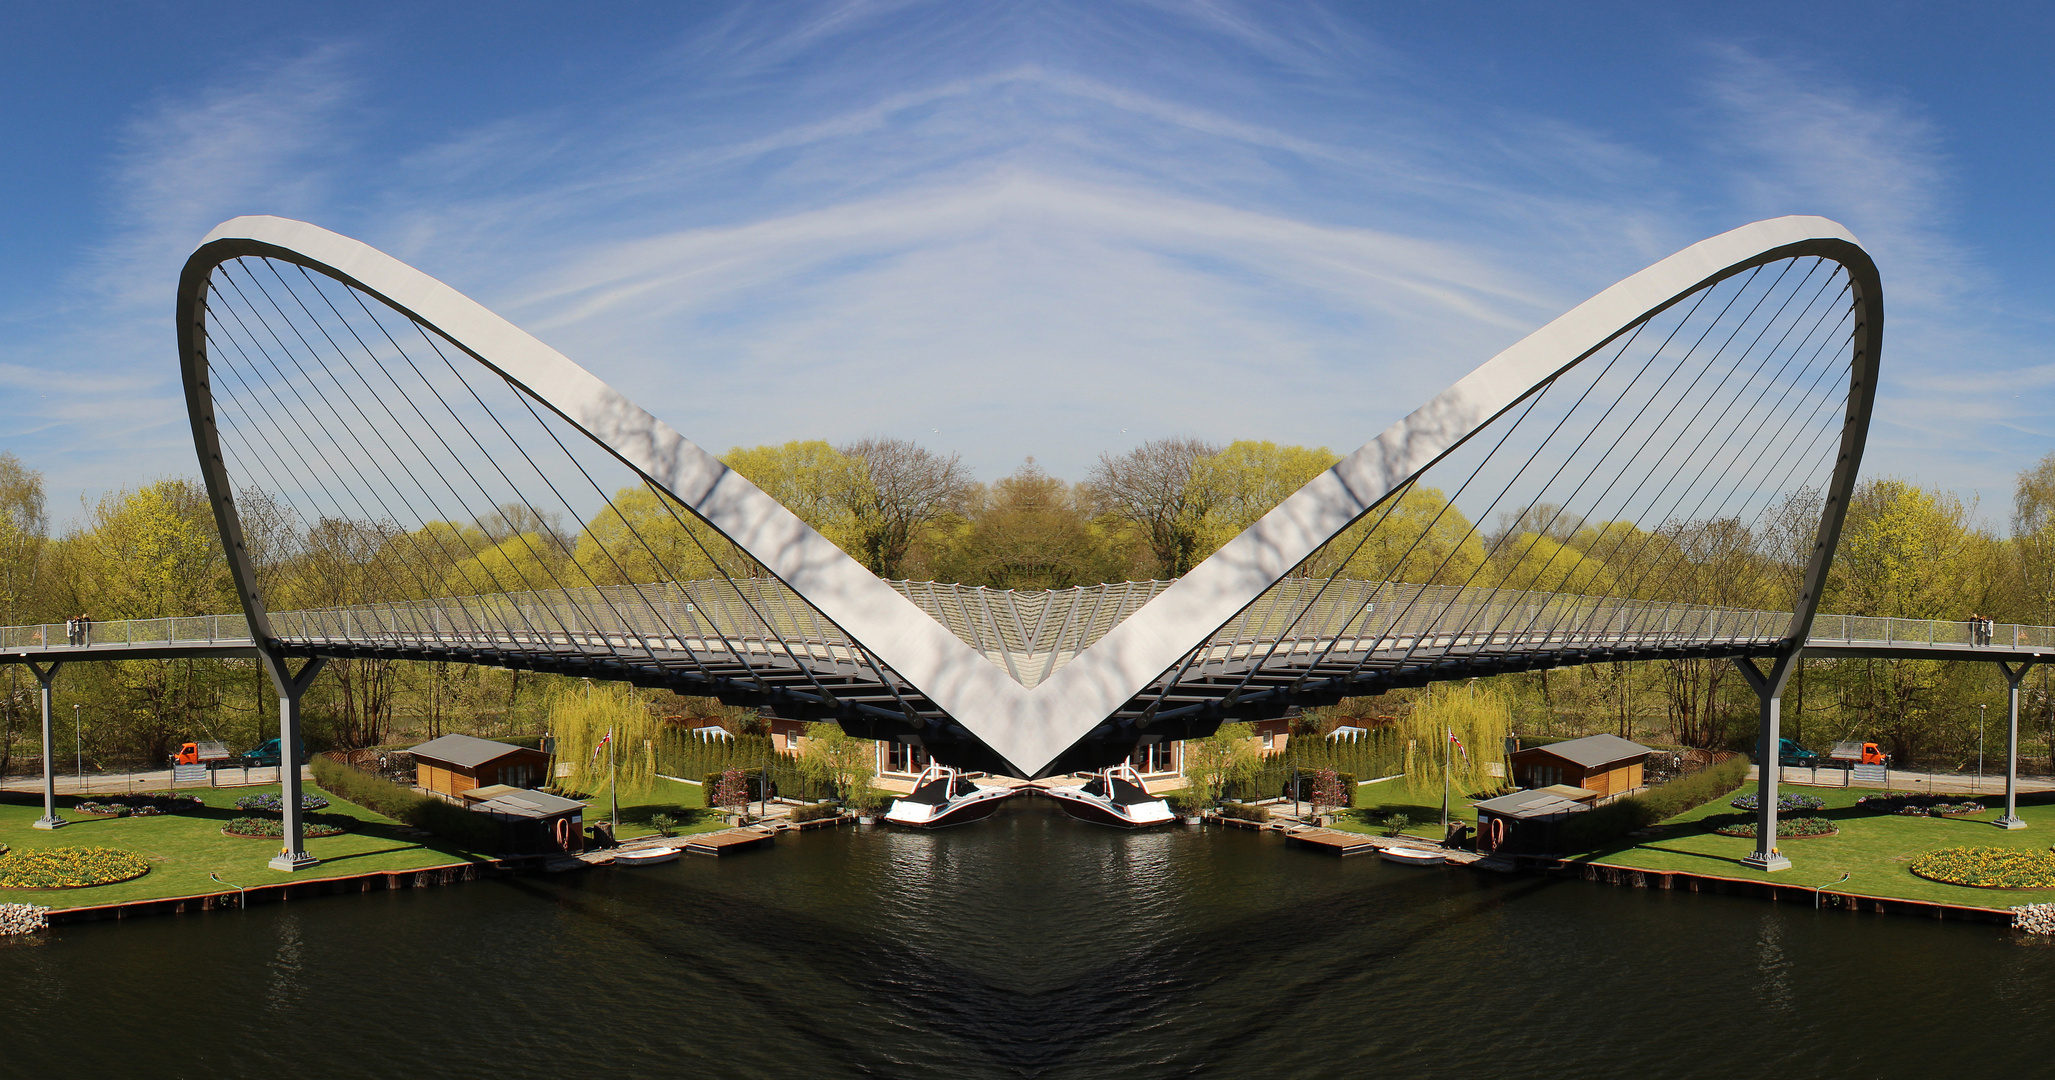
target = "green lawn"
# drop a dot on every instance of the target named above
(684, 802)
(185, 848)
(1421, 803)
(1872, 849)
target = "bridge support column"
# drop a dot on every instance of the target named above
(1769, 689)
(292, 853)
(2010, 819)
(49, 820)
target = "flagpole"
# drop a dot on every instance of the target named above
(1449, 736)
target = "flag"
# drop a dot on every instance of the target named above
(602, 743)
(1458, 743)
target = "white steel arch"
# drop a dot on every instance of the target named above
(1031, 727)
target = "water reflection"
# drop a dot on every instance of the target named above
(1024, 946)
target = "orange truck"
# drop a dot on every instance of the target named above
(1857, 752)
(200, 753)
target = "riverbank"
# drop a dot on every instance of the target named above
(1869, 857)
(188, 852)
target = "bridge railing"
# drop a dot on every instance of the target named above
(184, 630)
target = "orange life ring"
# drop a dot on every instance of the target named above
(564, 833)
(1498, 832)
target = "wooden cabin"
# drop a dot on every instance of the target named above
(1605, 765)
(455, 764)
(1526, 822)
(535, 822)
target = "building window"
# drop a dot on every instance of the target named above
(1270, 740)
(1154, 758)
(904, 758)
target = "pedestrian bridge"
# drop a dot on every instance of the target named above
(1662, 471)
(1307, 644)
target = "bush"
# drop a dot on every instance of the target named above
(1787, 828)
(752, 780)
(1308, 778)
(1604, 824)
(1396, 824)
(1786, 804)
(815, 812)
(274, 828)
(1245, 811)
(274, 802)
(465, 828)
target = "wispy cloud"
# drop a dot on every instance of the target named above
(1040, 228)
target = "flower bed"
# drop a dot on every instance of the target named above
(1988, 868)
(1797, 828)
(148, 805)
(274, 803)
(271, 828)
(1919, 806)
(69, 867)
(1786, 804)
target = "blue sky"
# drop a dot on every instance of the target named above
(1021, 228)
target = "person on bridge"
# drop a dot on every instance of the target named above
(1976, 628)
(85, 629)
(71, 630)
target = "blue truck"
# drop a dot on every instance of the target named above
(265, 754)
(1791, 754)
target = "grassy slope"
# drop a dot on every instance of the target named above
(1872, 849)
(185, 848)
(685, 802)
(1421, 803)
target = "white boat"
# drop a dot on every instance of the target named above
(943, 796)
(1114, 797)
(649, 856)
(1412, 856)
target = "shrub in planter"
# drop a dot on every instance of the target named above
(1786, 804)
(1795, 828)
(274, 802)
(815, 812)
(1242, 811)
(271, 828)
(69, 867)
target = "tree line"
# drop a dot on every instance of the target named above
(905, 511)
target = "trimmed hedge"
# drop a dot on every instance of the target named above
(1600, 826)
(815, 812)
(1245, 811)
(466, 828)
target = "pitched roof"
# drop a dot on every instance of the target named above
(464, 751)
(530, 804)
(1532, 803)
(1594, 750)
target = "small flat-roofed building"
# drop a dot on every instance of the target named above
(455, 764)
(535, 822)
(1524, 823)
(1606, 765)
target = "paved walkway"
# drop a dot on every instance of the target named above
(155, 780)
(1902, 780)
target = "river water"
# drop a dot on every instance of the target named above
(1027, 945)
